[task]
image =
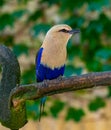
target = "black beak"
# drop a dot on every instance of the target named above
(74, 31)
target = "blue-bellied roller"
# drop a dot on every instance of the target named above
(51, 57)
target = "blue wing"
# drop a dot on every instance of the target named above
(44, 72)
(38, 60)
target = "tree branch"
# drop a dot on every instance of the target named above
(47, 88)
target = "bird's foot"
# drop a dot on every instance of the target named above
(45, 82)
(60, 78)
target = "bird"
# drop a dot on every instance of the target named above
(51, 57)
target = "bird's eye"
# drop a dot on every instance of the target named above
(64, 30)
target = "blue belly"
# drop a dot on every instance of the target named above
(43, 72)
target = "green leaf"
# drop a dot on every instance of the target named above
(50, 2)
(94, 65)
(106, 22)
(109, 91)
(56, 108)
(8, 41)
(37, 14)
(73, 50)
(36, 29)
(68, 5)
(95, 27)
(75, 114)
(96, 104)
(29, 75)
(6, 20)
(20, 49)
(18, 13)
(103, 54)
(32, 109)
(2, 2)
(70, 70)
(97, 4)
(106, 67)
(23, 1)
(75, 21)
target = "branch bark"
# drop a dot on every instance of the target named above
(48, 88)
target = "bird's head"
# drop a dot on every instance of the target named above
(60, 34)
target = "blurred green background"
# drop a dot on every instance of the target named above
(23, 25)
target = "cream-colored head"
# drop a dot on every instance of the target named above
(59, 33)
(54, 44)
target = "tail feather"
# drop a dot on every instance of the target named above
(42, 104)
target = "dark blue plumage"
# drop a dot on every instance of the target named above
(44, 72)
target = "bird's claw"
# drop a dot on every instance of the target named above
(60, 78)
